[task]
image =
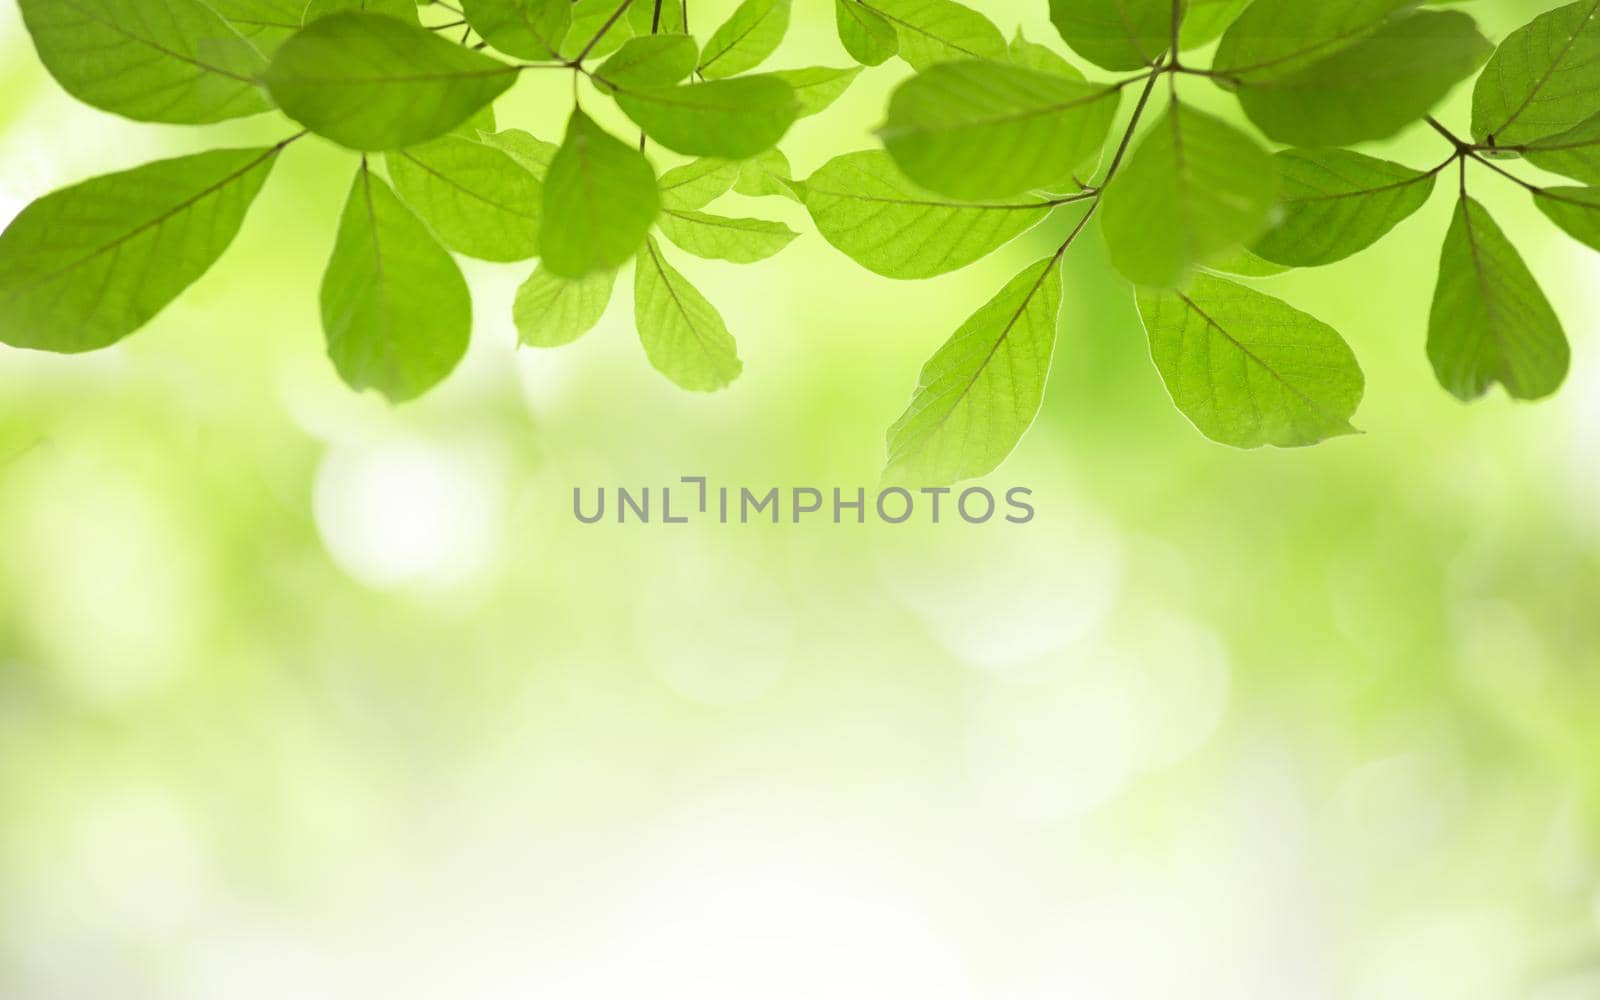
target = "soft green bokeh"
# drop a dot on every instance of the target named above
(304, 695)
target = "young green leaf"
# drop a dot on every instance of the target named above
(600, 199)
(742, 241)
(745, 39)
(1040, 57)
(263, 23)
(1337, 203)
(1574, 153)
(976, 129)
(1248, 369)
(592, 20)
(1206, 20)
(1373, 88)
(1194, 188)
(527, 29)
(150, 60)
(1245, 263)
(683, 335)
(1543, 79)
(766, 175)
(85, 266)
(649, 61)
(816, 87)
(979, 392)
(479, 200)
(531, 153)
(1490, 321)
(1116, 34)
(1274, 38)
(395, 308)
(371, 82)
(865, 207)
(732, 119)
(865, 34)
(551, 310)
(698, 183)
(932, 31)
(1574, 209)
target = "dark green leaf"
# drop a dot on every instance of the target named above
(683, 335)
(1490, 320)
(1115, 34)
(650, 61)
(816, 87)
(865, 34)
(394, 305)
(1574, 209)
(369, 81)
(746, 39)
(732, 119)
(1275, 38)
(743, 241)
(980, 392)
(864, 206)
(151, 60)
(1543, 79)
(932, 31)
(1194, 188)
(600, 199)
(976, 129)
(551, 311)
(1575, 152)
(527, 29)
(479, 200)
(1248, 369)
(1337, 203)
(87, 265)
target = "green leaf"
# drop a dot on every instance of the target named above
(1575, 152)
(1372, 89)
(1574, 209)
(533, 154)
(977, 129)
(479, 200)
(865, 34)
(600, 199)
(1337, 203)
(727, 118)
(85, 266)
(643, 15)
(1248, 369)
(683, 335)
(1274, 38)
(1115, 34)
(1206, 20)
(371, 82)
(1490, 321)
(979, 392)
(816, 87)
(745, 39)
(405, 10)
(394, 305)
(865, 207)
(932, 31)
(591, 16)
(1543, 79)
(1246, 263)
(1041, 57)
(1194, 188)
(527, 29)
(264, 23)
(650, 61)
(551, 310)
(150, 60)
(742, 241)
(765, 175)
(698, 183)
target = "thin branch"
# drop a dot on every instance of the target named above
(1133, 124)
(583, 53)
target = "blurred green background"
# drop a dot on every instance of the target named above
(302, 695)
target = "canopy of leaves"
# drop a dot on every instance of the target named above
(1337, 203)
(683, 334)
(600, 199)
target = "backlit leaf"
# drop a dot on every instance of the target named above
(590, 17)
(527, 29)
(683, 334)
(551, 311)
(1206, 20)
(745, 39)
(1575, 152)
(932, 31)
(728, 118)
(650, 61)
(865, 34)
(1274, 38)
(1336, 203)
(1041, 57)
(766, 174)
(479, 200)
(532, 153)
(1115, 34)
(1543, 79)
(1574, 209)
(742, 241)
(698, 183)
(600, 199)
(816, 87)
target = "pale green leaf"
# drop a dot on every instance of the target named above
(742, 241)
(1275, 38)
(590, 17)
(1337, 202)
(85, 266)
(1373, 88)
(1245, 263)
(600, 199)
(732, 119)
(1206, 20)
(975, 129)
(765, 175)
(649, 61)
(551, 310)
(1193, 188)
(698, 183)
(981, 390)
(369, 81)
(1543, 79)
(932, 31)
(683, 334)
(532, 153)
(816, 87)
(395, 308)
(1490, 321)
(1574, 209)
(479, 200)
(863, 205)
(1041, 57)
(1115, 34)
(865, 34)
(745, 39)
(1248, 369)
(1575, 152)
(151, 60)
(527, 29)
